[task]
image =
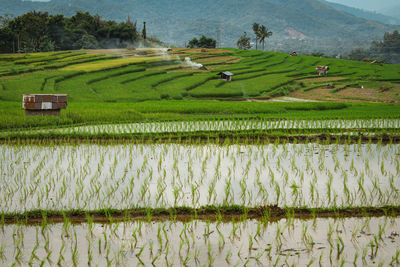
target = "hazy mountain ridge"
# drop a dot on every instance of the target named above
(178, 21)
(364, 13)
(393, 11)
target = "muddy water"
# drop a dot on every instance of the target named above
(323, 242)
(86, 176)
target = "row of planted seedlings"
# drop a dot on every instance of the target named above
(291, 242)
(252, 124)
(229, 125)
(124, 176)
(44, 177)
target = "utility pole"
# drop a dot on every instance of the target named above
(219, 35)
(144, 33)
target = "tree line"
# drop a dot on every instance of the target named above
(41, 32)
(387, 50)
(261, 32)
(203, 42)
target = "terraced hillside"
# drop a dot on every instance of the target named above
(101, 77)
(125, 77)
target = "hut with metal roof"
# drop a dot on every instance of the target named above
(44, 104)
(226, 75)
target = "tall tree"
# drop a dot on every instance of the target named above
(256, 30)
(16, 29)
(264, 33)
(244, 42)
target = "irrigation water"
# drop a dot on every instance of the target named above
(91, 176)
(288, 242)
(232, 125)
(221, 125)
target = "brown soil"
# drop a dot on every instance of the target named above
(321, 94)
(273, 213)
(264, 139)
(366, 92)
(352, 95)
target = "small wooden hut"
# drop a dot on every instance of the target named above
(44, 104)
(226, 75)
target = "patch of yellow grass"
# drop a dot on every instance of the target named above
(109, 63)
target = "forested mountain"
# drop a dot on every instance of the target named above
(302, 25)
(365, 14)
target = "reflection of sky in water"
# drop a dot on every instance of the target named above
(226, 244)
(163, 175)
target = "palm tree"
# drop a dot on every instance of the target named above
(264, 33)
(256, 30)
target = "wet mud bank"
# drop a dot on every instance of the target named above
(203, 138)
(185, 214)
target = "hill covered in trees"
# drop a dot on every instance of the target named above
(387, 50)
(39, 31)
(301, 25)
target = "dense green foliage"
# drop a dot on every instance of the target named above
(36, 31)
(387, 50)
(203, 42)
(320, 27)
(261, 32)
(244, 42)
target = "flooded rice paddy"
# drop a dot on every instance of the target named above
(232, 125)
(288, 242)
(226, 125)
(91, 176)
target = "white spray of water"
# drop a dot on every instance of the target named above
(192, 64)
(163, 52)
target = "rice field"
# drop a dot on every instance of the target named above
(232, 125)
(288, 242)
(146, 168)
(95, 177)
(165, 75)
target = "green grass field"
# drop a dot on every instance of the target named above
(112, 88)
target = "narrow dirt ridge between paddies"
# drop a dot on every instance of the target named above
(208, 213)
(221, 138)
